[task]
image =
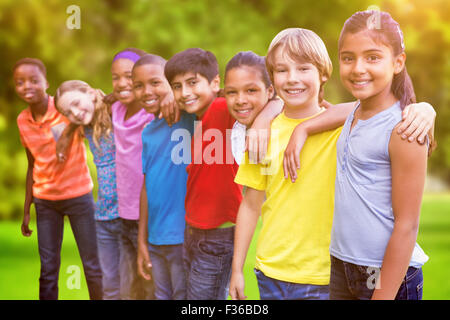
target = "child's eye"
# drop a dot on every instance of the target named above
(346, 59)
(137, 86)
(176, 87)
(230, 92)
(252, 90)
(155, 83)
(280, 70)
(192, 82)
(373, 58)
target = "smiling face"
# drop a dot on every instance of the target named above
(77, 106)
(30, 84)
(194, 93)
(367, 68)
(297, 84)
(246, 93)
(150, 86)
(122, 80)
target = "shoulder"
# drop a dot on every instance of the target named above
(219, 105)
(218, 115)
(186, 120)
(184, 116)
(403, 149)
(153, 126)
(24, 114)
(117, 107)
(23, 117)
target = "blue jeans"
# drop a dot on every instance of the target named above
(353, 282)
(168, 271)
(50, 228)
(133, 286)
(273, 289)
(108, 241)
(207, 258)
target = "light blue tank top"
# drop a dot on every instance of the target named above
(363, 217)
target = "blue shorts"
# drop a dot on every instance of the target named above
(273, 289)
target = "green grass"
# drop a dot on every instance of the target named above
(19, 259)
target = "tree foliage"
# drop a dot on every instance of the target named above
(37, 28)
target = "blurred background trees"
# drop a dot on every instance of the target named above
(37, 28)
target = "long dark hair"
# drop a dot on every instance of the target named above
(386, 30)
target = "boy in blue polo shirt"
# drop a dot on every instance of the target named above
(161, 223)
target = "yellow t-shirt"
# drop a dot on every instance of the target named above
(294, 240)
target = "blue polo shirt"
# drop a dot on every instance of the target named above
(165, 156)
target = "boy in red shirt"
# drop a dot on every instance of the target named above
(212, 197)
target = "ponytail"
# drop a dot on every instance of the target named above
(403, 89)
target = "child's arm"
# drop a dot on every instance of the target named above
(258, 135)
(169, 109)
(143, 258)
(408, 167)
(64, 141)
(247, 219)
(418, 120)
(109, 99)
(332, 118)
(26, 231)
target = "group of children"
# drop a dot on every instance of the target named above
(169, 229)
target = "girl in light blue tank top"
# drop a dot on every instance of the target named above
(379, 177)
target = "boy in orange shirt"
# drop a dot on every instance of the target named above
(56, 189)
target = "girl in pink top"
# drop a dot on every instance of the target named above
(127, 133)
(129, 119)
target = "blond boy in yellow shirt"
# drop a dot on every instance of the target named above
(292, 257)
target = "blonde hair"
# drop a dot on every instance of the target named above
(301, 45)
(101, 120)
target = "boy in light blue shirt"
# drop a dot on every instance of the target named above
(162, 223)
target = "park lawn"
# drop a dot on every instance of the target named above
(19, 259)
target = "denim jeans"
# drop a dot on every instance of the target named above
(353, 282)
(133, 286)
(50, 228)
(168, 271)
(108, 241)
(273, 289)
(207, 258)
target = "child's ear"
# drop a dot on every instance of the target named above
(215, 84)
(324, 79)
(399, 63)
(271, 91)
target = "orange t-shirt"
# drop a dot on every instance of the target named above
(54, 180)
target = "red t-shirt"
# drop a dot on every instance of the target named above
(212, 196)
